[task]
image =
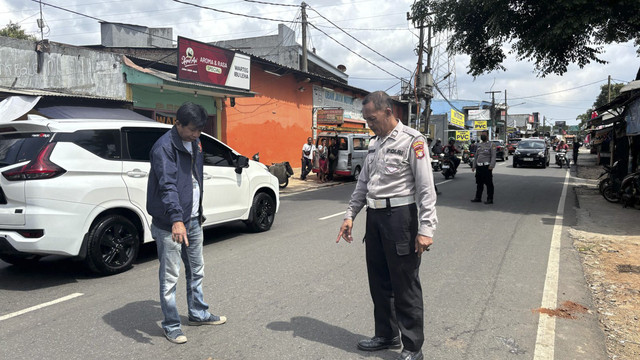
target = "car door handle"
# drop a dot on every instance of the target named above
(206, 176)
(136, 173)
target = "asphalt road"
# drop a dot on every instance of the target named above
(293, 293)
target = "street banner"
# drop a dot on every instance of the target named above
(330, 116)
(457, 119)
(463, 136)
(213, 65)
(480, 125)
(481, 114)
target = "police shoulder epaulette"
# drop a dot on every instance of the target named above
(410, 131)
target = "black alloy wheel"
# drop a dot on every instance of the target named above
(262, 213)
(113, 245)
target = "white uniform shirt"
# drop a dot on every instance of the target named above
(398, 165)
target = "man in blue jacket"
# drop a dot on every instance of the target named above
(174, 200)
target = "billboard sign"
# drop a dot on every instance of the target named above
(480, 125)
(330, 116)
(457, 119)
(212, 65)
(463, 136)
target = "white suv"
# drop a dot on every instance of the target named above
(78, 188)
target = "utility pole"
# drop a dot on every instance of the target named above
(304, 37)
(493, 111)
(419, 77)
(506, 116)
(429, 82)
(609, 88)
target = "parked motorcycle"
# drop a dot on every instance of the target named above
(282, 171)
(630, 190)
(448, 168)
(606, 180)
(561, 158)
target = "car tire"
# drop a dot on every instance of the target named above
(21, 260)
(262, 213)
(356, 173)
(112, 245)
(515, 164)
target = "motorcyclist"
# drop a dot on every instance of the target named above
(437, 148)
(562, 146)
(452, 150)
(473, 147)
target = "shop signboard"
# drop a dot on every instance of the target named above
(480, 125)
(330, 116)
(210, 64)
(457, 119)
(463, 136)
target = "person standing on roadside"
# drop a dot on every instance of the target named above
(333, 158)
(396, 174)
(576, 150)
(307, 156)
(174, 201)
(484, 162)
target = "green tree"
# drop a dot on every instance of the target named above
(601, 99)
(551, 33)
(15, 31)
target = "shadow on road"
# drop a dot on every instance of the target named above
(137, 320)
(327, 334)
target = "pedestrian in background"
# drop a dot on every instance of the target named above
(323, 164)
(483, 164)
(333, 158)
(174, 201)
(396, 174)
(576, 149)
(307, 157)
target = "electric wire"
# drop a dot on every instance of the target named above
(557, 92)
(227, 12)
(360, 42)
(269, 3)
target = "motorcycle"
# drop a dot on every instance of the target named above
(630, 190)
(471, 158)
(608, 171)
(448, 168)
(561, 158)
(282, 171)
(436, 162)
(466, 155)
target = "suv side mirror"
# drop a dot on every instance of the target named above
(243, 162)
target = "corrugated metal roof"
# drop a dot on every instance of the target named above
(39, 92)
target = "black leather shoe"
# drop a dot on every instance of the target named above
(379, 343)
(489, 202)
(409, 355)
(476, 200)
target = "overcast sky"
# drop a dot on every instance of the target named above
(380, 24)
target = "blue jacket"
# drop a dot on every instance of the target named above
(170, 186)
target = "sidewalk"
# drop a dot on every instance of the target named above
(297, 185)
(607, 237)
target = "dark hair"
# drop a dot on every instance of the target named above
(380, 100)
(190, 113)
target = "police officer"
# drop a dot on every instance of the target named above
(484, 162)
(396, 174)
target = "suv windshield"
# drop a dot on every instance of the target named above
(531, 145)
(15, 148)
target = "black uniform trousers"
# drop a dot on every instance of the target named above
(484, 176)
(393, 268)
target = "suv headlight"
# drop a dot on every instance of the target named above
(517, 152)
(541, 154)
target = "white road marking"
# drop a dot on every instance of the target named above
(331, 216)
(443, 182)
(33, 308)
(545, 340)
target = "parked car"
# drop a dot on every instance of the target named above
(501, 150)
(512, 144)
(531, 152)
(353, 148)
(78, 188)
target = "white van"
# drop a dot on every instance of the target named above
(353, 148)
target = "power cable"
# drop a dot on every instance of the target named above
(269, 3)
(226, 12)
(360, 42)
(353, 52)
(556, 92)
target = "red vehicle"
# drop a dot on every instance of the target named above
(512, 144)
